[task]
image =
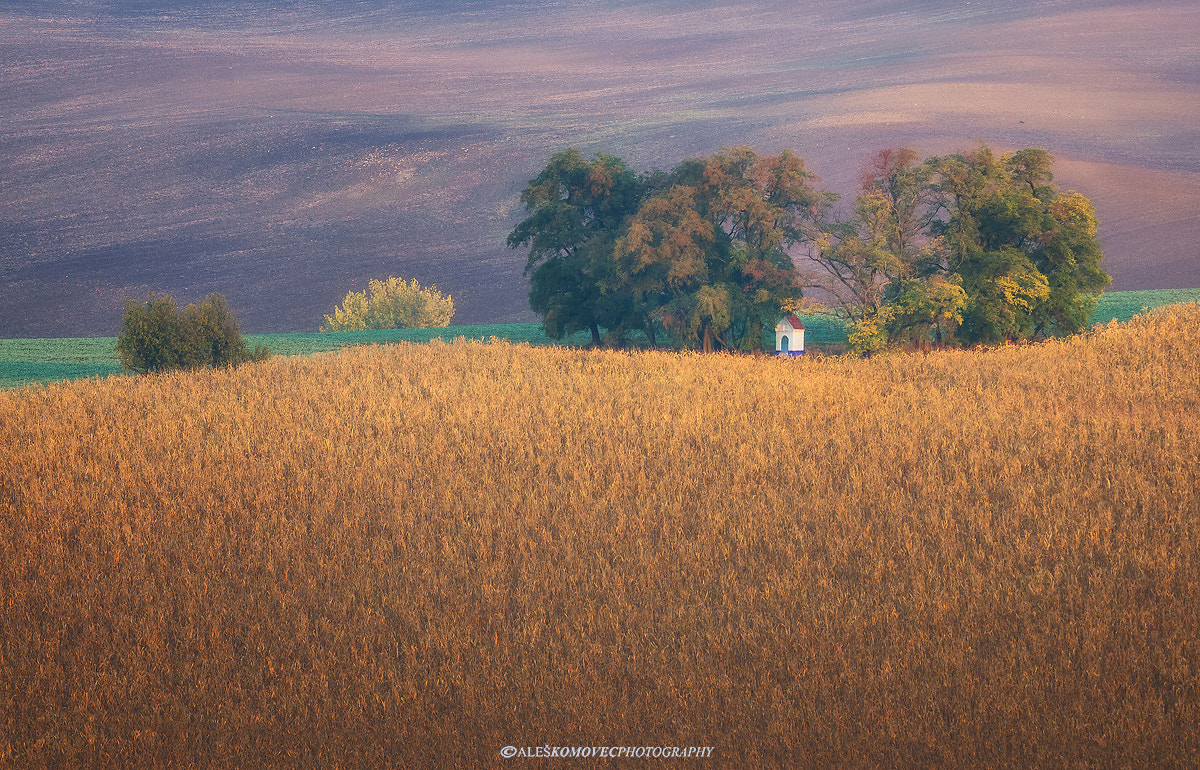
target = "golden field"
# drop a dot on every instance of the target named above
(416, 555)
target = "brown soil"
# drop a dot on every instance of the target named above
(283, 158)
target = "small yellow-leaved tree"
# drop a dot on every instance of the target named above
(391, 304)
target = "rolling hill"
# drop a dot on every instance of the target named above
(283, 153)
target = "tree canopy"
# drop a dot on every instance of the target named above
(969, 248)
(699, 253)
(156, 337)
(964, 248)
(576, 209)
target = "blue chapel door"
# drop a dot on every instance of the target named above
(783, 346)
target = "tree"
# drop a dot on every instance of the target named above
(920, 307)
(1028, 255)
(151, 338)
(972, 247)
(663, 256)
(700, 252)
(155, 337)
(969, 247)
(883, 262)
(391, 304)
(898, 205)
(577, 208)
(764, 206)
(213, 336)
(707, 254)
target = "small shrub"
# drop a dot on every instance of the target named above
(156, 337)
(391, 304)
(867, 337)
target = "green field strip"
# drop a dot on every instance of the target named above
(33, 361)
(1124, 305)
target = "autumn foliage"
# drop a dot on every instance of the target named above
(697, 256)
(963, 249)
(415, 555)
(391, 304)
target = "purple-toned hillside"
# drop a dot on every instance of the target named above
(285, 155)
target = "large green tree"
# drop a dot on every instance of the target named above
(1027, 254)
(576, 210)
(974, 247)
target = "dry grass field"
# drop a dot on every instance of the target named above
(283, 152)
(415, 555)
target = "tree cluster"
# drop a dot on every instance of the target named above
(391, 304)
(698, 254)
(973, 248)
(965, 248)
(156, 337)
